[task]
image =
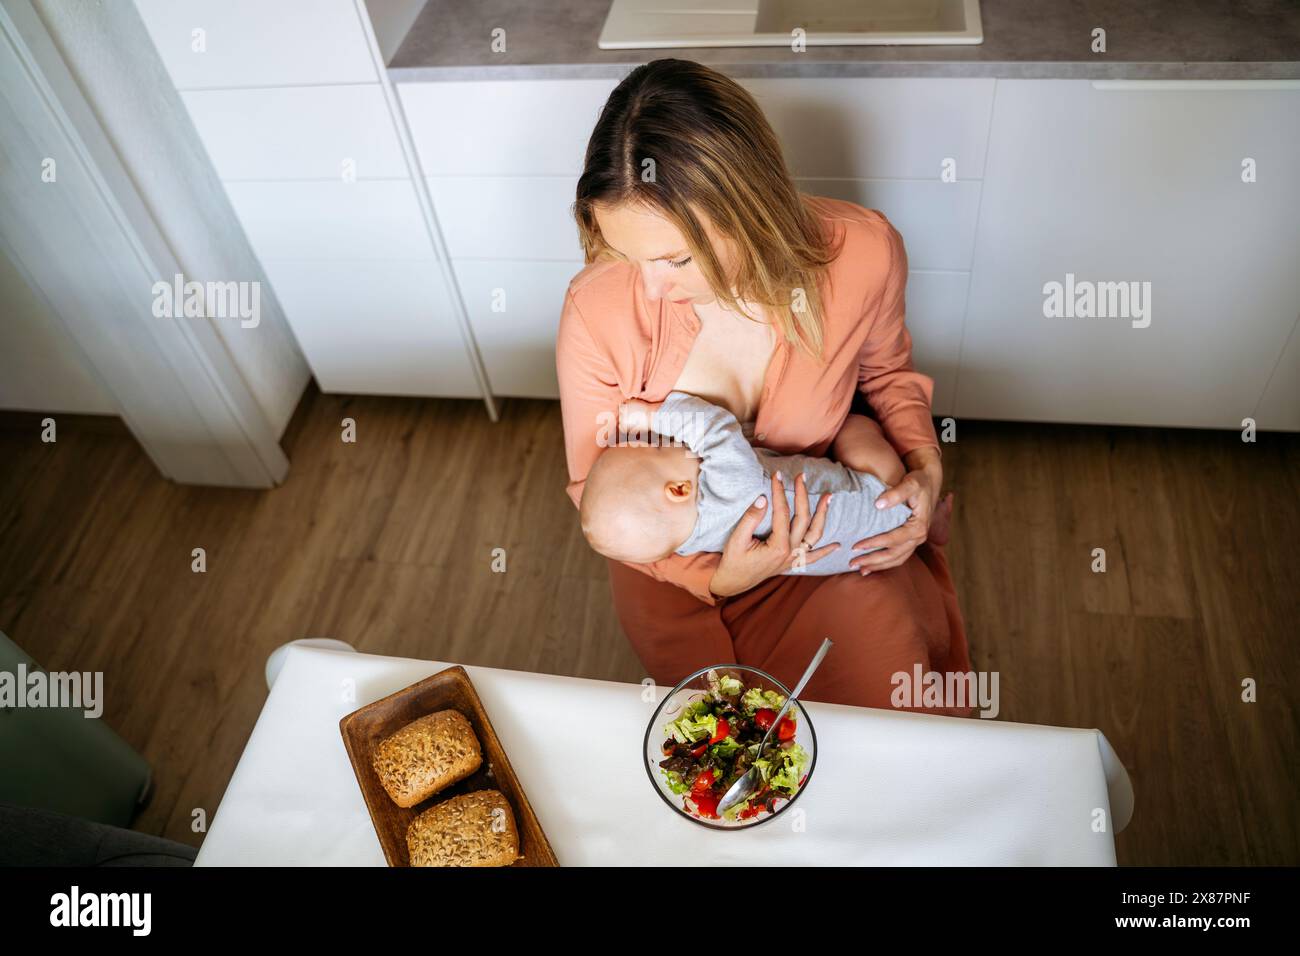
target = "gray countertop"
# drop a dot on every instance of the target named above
(1155, 39)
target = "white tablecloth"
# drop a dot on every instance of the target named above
(889, 788)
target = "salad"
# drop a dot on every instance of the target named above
(715, 741)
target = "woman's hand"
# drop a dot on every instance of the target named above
(746, 560)
(919, 490)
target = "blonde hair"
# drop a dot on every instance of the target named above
(711, 148)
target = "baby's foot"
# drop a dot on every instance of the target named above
(941, 522)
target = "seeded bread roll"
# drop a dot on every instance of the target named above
(427, 755)
(474, 829)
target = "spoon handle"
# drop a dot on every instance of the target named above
(803, 681)
(798, 689)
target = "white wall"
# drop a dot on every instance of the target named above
(41, 368)
(109, 52)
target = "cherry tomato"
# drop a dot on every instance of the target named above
(702, 795)
(698, 751)
(763, 718)
(721, 732)
(706, 803)
(785, 729)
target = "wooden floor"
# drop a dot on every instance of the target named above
(388, 544)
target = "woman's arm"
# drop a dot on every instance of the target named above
(900, 398)
(590, 395)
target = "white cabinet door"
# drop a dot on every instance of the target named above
(332, 220)
(515, 217)
(936, 306)
(514, 309)
(209, 44)
(375, 328)
(1133, 186)
(303, 132)
(936, 219)
(494, 128)
(873, 127)
(354, 269)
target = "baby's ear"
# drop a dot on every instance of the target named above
(679, 490)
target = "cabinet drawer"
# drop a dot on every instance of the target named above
(514, 217)
(303, 132)
(534, 128)
(334, 221)
(517, 344)
(259, 43)
(887, 128)
(375, 328)
(937, 220)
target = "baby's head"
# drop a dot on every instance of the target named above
(638, 503)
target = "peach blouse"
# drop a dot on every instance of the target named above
(616, 344)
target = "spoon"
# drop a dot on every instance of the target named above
(748, 783)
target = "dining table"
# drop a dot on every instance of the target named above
(890, 788)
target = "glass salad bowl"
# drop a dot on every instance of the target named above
(706, 731)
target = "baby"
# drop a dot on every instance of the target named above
(642, 503)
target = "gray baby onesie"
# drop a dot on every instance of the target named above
(733, 474)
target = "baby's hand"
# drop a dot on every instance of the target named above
(634, 416)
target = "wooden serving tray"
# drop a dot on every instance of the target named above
(449, 689)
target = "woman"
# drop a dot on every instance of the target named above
(709, 273)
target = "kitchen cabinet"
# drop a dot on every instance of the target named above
(503, 128)
(936, 220)
(502, 160)
(878, 127)
(512, 307)
(309, 148)
(1123, 185)
(255, 43)
(373, 327)
(508, 217)
(1065, 181)
(332, 221)
(297, 133)
(936, 307)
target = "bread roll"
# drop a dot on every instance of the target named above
(473, 829)
(427, 755)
